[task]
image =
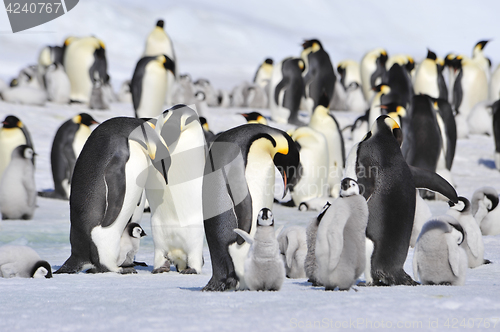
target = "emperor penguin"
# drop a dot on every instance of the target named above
(372, 70)
(107, 183)
(209, 135)
(57, 84)
(184, 93)
(264, 269)
(22, 262)
(494, 85)
(25, 95)
(438, 259)
(48, 56)
(159, 43)
(381, 97)
(320, 78)
(495, 110)
(350, 78)
(484, 205)
(256, 97)
(254, 117)
(340, 242)
(129, 245)
(66, 147)
(325, 123)
(211, 96)
(286, 91)
(150, 84)
(480, 59)
(238, 182)
(399, 79)
(84, 62)
(422, 215)
(314, 165)
(293, 247)
(389, 183)
(17, 186)
(176, 198)
(429, 78)
(264, 72)
(13, 133)
(452, 63)
(310, 263)
(473, 241)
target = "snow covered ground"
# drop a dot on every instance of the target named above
(224, 41)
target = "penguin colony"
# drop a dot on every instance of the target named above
(221, 186)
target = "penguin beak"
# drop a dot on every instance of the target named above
(288, 165)
(143, 233)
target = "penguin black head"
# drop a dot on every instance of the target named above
(160, 23)
(85, 119)
(348, 187)
(301, 64)
(393, 109)
(313, 43)
(135, 230)
(265, 218)
(480, 45)
(41, 264)
(457, 230)
(168, 63)
(463, 205)
(386, 125)
(200, 95)
(287, 161)
(382, 88)
(254, 117)
(269, 61)
(324, 100)
(410, 65)
(12, 121)
(431, 55)
(322, 212)
(382, 59)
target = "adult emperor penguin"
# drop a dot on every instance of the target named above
(320, 78)
(484, 204)
(107, 183)
(238, 183)
(372, 70)
(17, 186)
(495, 109)
(84, 62)
(429, 78)
(286, 91)
(350, 78)
(150, 84)
(473, 240)
(129, 245)
(438, 259)
(378, 166)
(293, 247)
(399, 79)
(48, 56)
(22, 262)
(66, 147)
(12, 134)
(264, 269)
(158, 43)
(382, 97)
(480, 59)
(324, 122)
(340, 243)
(255, 117)
(494, 84)
(264, 73)
(176, 198)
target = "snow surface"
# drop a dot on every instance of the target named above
(225, 41)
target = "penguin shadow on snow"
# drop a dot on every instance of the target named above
(489, 163)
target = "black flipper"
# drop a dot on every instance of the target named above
(114, 177)
(458, 93)
(429, 180)
(279, 87)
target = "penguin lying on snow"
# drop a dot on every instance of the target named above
(438, 258)
(264, 269)
(23, 262)
(293, 247)
(484, 204)
(340, 242)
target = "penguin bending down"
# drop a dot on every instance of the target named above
(129, 245)
(264, 269)
(286, 90)
(66, 147)
(473, 241)
(484, 205)
(238, 182)
(150, 84)
(389, 187)
(438, 258)
(310, 264)
(340, 242)
(17, 186)
(293, 247)
(12, 134)
(372, 70)
(320, 78)
(107, 183)
(22, 262)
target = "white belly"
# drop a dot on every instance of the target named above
(154, 91)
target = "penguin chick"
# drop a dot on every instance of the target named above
(438, 259)
(340, 242)
(129, 245)
(485, 209)
(293, 247)
(473, 241)
(310, 264)
(23, 262)
(264, 268)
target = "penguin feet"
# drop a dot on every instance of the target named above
(140, 264)
(314, 282)
(189, 270)
(381, 278)
(161, 270)
(487, 261)
(215, 285)
(128, 270)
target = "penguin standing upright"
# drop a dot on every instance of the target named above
(150, 84)
(429, 78)
(381, 98)
(399, 79)
(310, 264)
(320, 78)
(57, 84)
(159, 43)
(129, 245)
(12, 134)
(264, 73)
(23, 262)
(238, 183)
(66, 147)
(377, 164)
(84, 62)
(480, 59)
(372, 70)
(17, 186)
(286, 90)
(48, 56)
(494, 84)
(107, 183)
(350, 78)
(340, 243)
